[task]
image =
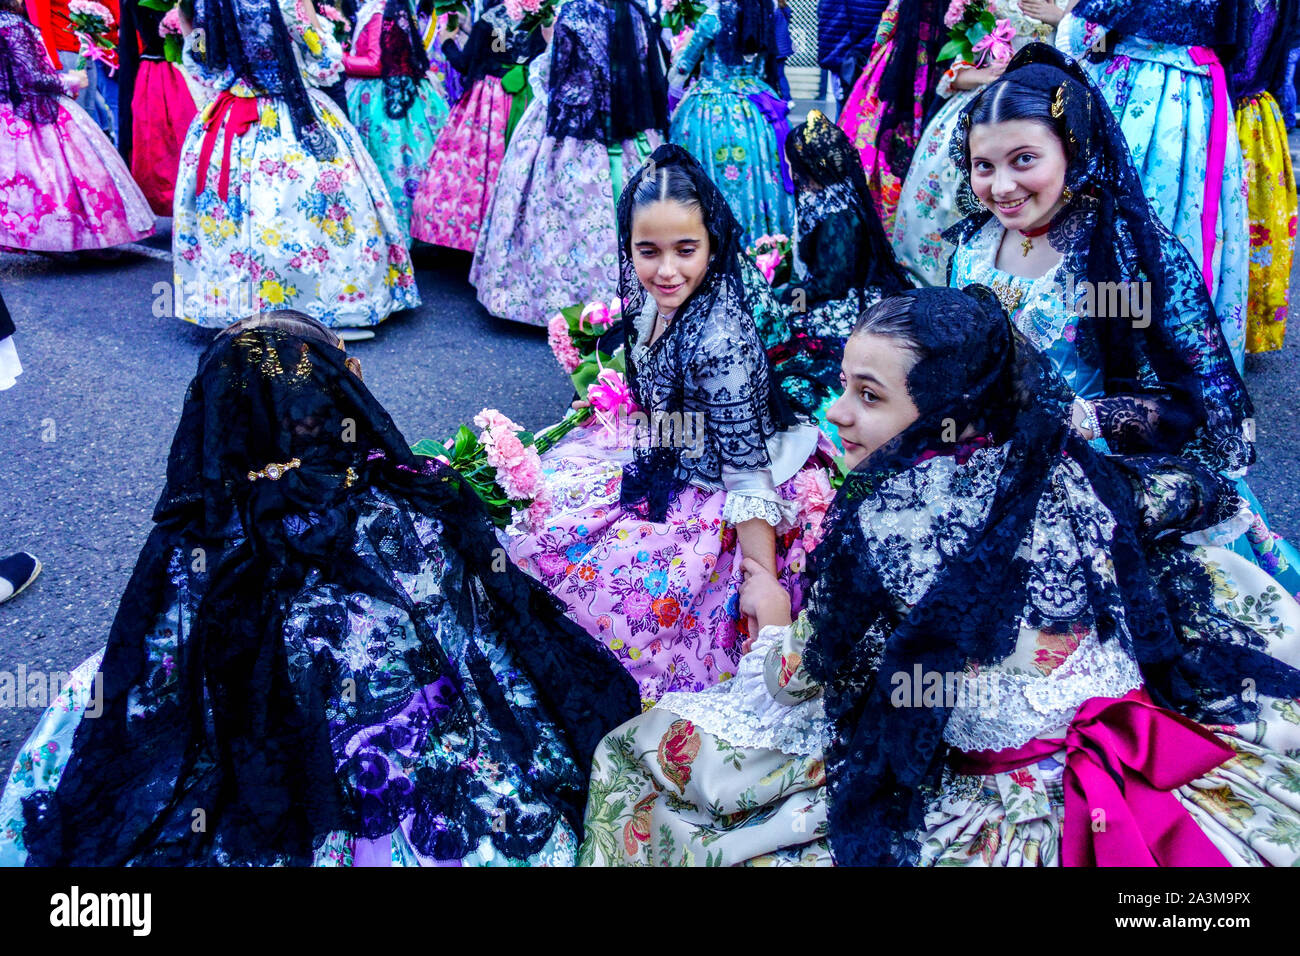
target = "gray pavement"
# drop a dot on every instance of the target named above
(85, 432)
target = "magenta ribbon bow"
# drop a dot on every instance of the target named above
(1123, 757)
(607, 395)
(997, 43)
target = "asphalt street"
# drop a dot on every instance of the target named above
(86, 431)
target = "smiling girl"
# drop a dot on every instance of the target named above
(645, 540)
(1092, 278)
(990, 620)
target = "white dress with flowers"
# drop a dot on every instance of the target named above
(293, 232)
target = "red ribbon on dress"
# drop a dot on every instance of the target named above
(1123, 756)
(243, 113)
(1219, 114)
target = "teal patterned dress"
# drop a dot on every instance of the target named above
(727, 132)
(400, 147)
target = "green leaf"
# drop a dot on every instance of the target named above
(428, 448)
(978, 32)
(163, 5)
(951, 50)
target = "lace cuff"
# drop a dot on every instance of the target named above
(1225, 532)
(946, 89)
(743, 712)
(783, 669)
(745, 506)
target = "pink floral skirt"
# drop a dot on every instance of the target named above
(453, 197)
(64, 187)
(663, 596)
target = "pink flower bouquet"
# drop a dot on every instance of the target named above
(531, 14)
(772, 256)
(975, 35)
(91, 23)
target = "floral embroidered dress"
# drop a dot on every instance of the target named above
(1170, 98)
(928, 201)
(1038, 309)
(63, 185)
(641, 543)
(269, 215)
(722, 122)
(461, 172)
(399, 114)
(1270, 180)
(735, 774)
(550, 236)
(885, 112)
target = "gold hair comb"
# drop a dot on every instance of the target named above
(1058, 102)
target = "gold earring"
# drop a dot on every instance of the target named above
(1067, 195)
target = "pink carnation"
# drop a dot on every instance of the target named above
(956, 11)
(515, 10)
(504, 450)
(523, 480)
(562, 347)
(494, 421)
(532, 6)
(539, 511)
(171, 24)
(91, 9)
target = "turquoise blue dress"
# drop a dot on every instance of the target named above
(723, 127)
(1163, 101)
(1037, 308)
(401, 147)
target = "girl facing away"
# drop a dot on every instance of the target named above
(645, 541)
(315, 657)
(1001, 623)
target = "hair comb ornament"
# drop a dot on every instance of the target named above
(1058, 102)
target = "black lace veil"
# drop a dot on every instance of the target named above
(247, 736)
(710, 362)
(1171, 385)
(885, 763)
(403, 62)
(607, 91)
(250, 38)
(821, 154)
(28, 83)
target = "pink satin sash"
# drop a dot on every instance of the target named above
(1219, 119)
(1123, 756)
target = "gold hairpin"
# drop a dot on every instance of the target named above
(1058, 102)
(275, 471)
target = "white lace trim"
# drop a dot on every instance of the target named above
(1001, 709)
(743, 712)
(740, 506)
(1226, 532)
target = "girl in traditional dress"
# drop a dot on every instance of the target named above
(462, 171)
(1157, 67)
(1093, 278)
(843, 263)
(1001, 624)
(314, 654)
(886, 110)
(1261, 65)
(731, 119)
(157, 106)
(643, 542)
(550, 238)
(63, 186)
(278, 202)
(395, 106)
(928, 201)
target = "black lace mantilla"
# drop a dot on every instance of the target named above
(1171, 385)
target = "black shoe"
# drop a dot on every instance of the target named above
(16, 572)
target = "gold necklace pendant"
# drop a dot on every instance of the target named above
(1025, 245)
